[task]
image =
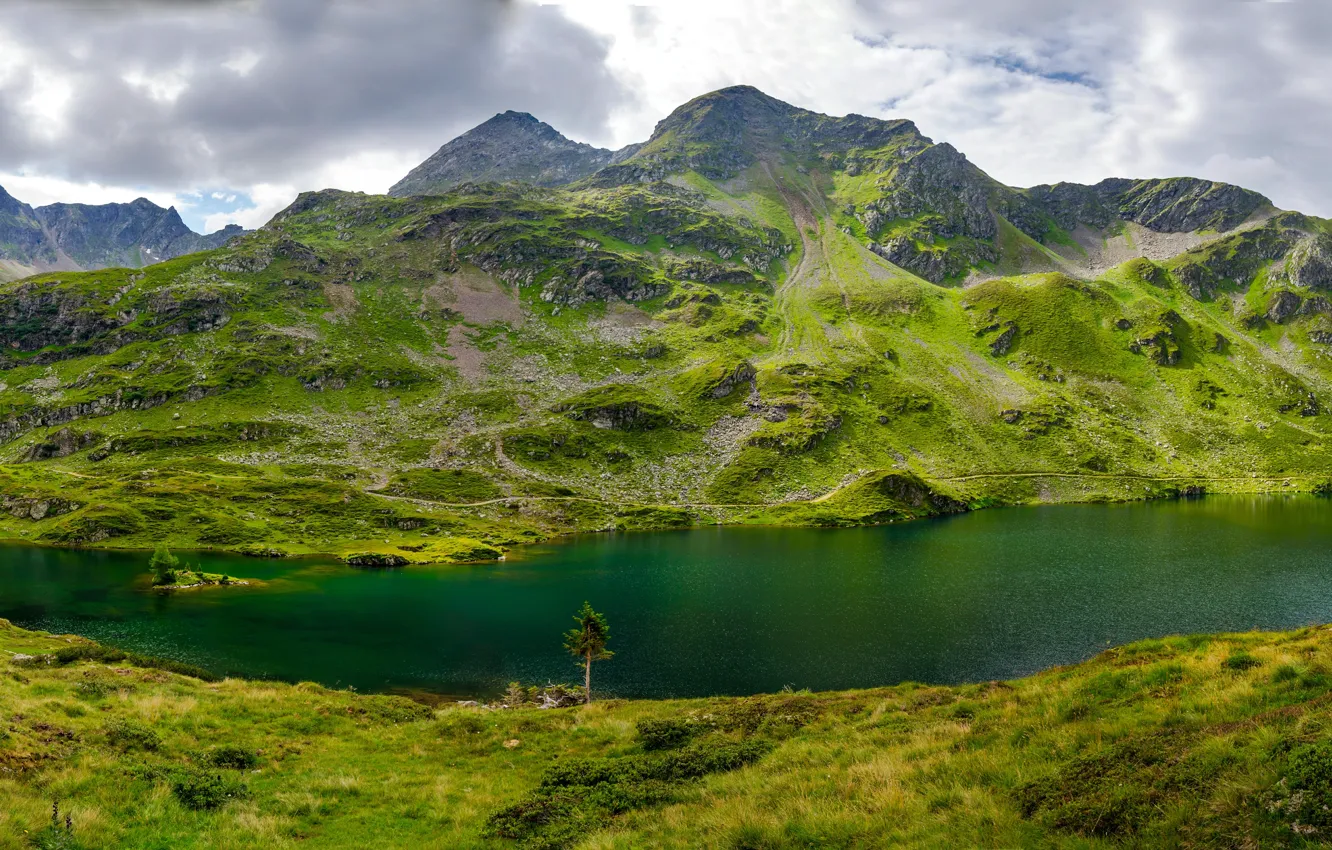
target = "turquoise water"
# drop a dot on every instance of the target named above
(990, 595)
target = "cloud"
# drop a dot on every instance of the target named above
(1033, 91)
(263, 98)
(271, 92)
(40, 190)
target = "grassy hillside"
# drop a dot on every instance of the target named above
(837, 322)
(1204, 741)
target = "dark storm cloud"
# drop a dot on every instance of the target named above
(152, 100)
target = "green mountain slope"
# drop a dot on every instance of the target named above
(1203, 741)
(762, 315)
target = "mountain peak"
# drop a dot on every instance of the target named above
(10, 205)
(509, 146)
(725, 131)
(512, 116)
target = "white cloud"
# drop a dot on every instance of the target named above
(242, 63)
(162, 87)
(39, 190)
(369, 171)
(267, 198)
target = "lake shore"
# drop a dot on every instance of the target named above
(417, 549)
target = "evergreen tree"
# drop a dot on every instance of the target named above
(163, 565)
(587, 642)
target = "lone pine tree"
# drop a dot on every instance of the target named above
(587, 642)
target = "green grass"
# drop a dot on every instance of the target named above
(1197, 741)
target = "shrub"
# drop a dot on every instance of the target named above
(55, 838)
(580, 795)
(515, 695)
(390, 709)
(87, 652)
(1309, 778)
(1285, 673)
(665, 734)
(1241, 661)
(234, 757)
(203, 791)
(129, 735)
(108, 655)
(93, 689)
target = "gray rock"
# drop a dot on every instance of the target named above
(1004, 342)
(1309, 263)
(1282, 306)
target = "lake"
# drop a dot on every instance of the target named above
(994, 594)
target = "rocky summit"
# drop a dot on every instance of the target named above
(510, 146)
(761, 314)
(82, 236)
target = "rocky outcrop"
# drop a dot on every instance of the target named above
(21, 423)
(34, 316)
(378, 560)
(1182, 204)
(59, 322)
(1003, 343)
(1234, 260)
(1175, 205)
(622, 416)
(37, 507)
(941, 181)
(706, 271)
(1071, 204)
(1282, 306)
(935, 264)
(1162, 343)
(62, 443)
(1309, 264)
(914, 492)
(742, 375)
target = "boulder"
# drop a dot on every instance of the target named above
(1282, 306)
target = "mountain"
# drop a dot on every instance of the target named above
(510, 146)
(761, 314)
(82, 236)
(24, 245)
(136, 234)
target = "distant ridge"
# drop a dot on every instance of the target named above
(85, 236)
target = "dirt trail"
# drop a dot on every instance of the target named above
(804, 330)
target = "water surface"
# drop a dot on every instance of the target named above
(990, 595)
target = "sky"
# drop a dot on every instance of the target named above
(227, 108)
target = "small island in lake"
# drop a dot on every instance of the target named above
(170, 574)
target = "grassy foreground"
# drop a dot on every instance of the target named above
(1200, 741)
